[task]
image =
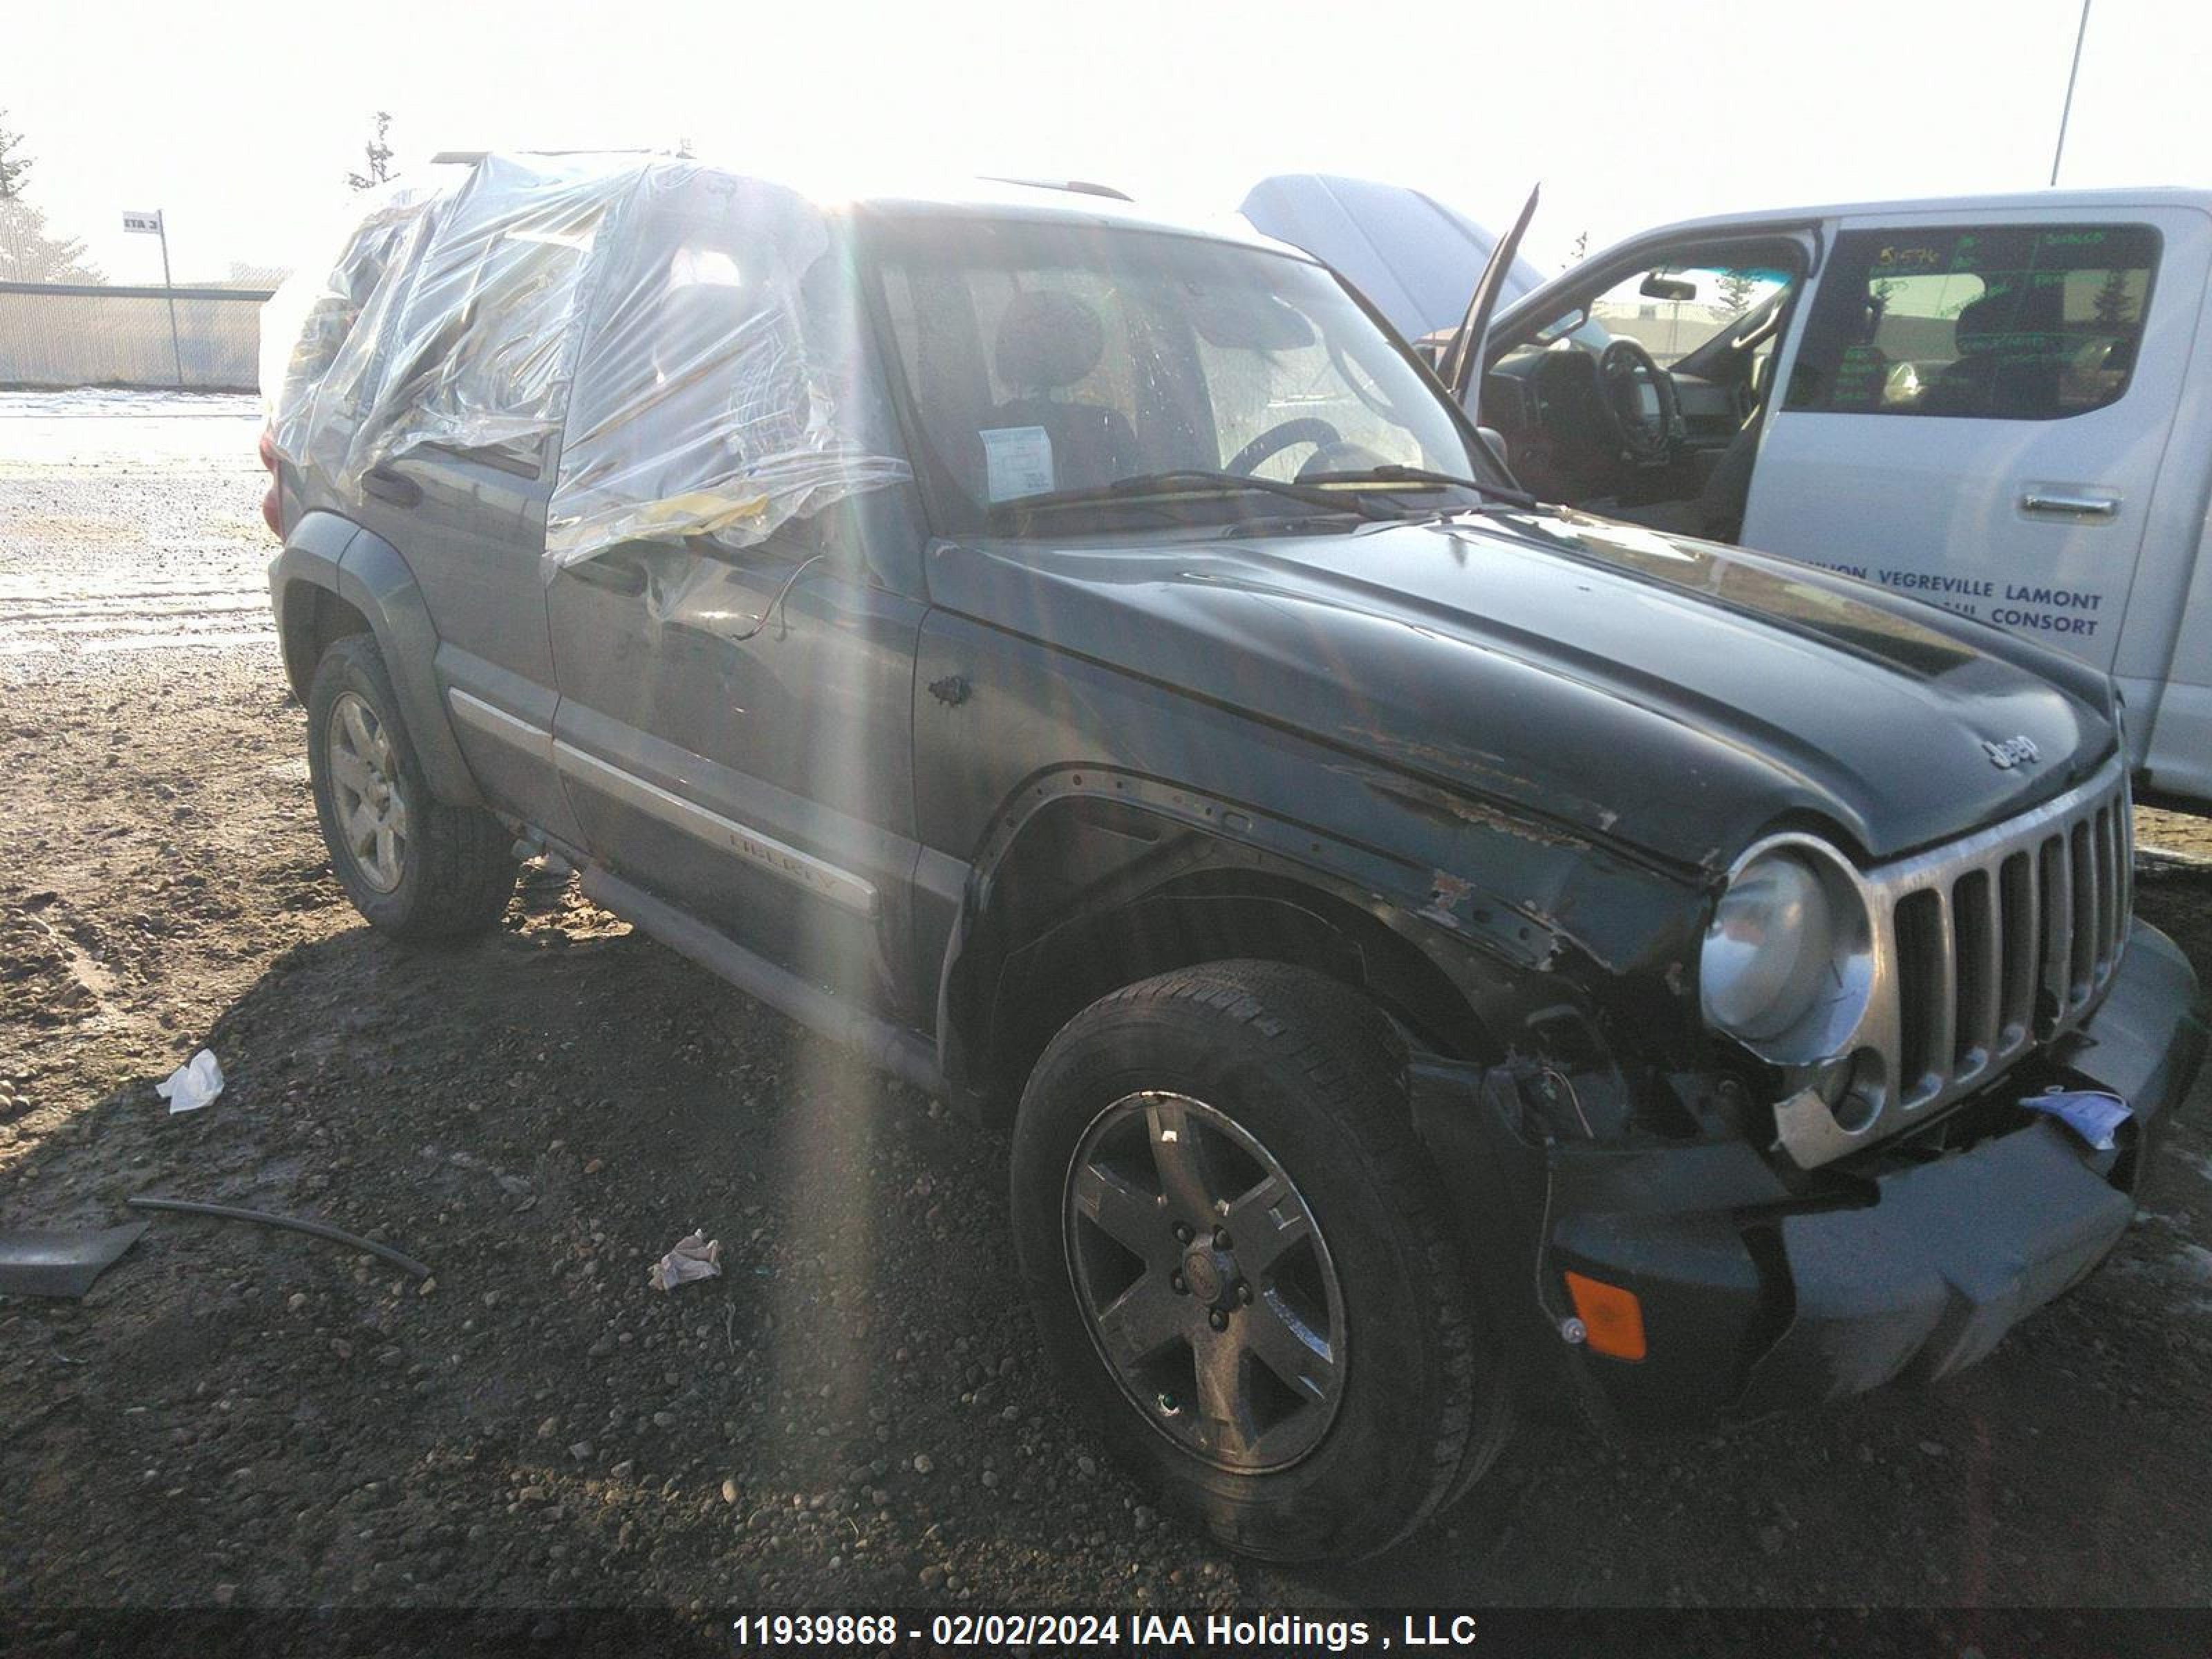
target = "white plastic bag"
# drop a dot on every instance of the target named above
(696, 1257)
(191, 1087)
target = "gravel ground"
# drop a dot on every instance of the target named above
(854, 1416)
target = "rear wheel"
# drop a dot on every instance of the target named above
(1235, 1251)
(412, 865)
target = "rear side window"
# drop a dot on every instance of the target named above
(1992, 322)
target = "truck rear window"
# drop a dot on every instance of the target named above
(1993, 322)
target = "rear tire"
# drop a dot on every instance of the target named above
(1268, 1103)
(413, 866)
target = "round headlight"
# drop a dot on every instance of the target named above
(1788, 965)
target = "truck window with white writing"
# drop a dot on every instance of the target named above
(2007, 322)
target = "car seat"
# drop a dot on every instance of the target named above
(1047, 341)
(2008, 362)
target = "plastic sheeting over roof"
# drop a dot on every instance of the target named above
(672, 338)
(1415, 259)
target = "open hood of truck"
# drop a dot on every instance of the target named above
(1415, 259)
(1668, 695)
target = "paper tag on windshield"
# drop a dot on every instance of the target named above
(1016, 461)
(2091, 1113)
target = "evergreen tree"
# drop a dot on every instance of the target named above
(14, 164)
(31, 253)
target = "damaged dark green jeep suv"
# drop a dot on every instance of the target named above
(1426, 949)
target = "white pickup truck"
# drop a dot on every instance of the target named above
(2001, 405)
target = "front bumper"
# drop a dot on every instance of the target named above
(1759, 1292)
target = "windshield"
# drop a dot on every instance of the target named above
(1672, 311)
(1044, 360)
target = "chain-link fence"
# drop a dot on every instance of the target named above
(64, 334)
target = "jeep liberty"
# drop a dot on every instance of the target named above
(1427, 951)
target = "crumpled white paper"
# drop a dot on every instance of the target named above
(2092, 1113)
(191, 1087)
(696, 1257)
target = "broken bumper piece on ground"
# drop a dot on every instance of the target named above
(63, 1264)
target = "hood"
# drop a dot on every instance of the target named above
(1656, 694)
(1416, 259)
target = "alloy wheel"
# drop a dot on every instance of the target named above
(372, 807)
(1205, 1282)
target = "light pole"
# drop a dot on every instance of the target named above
(2067, 108)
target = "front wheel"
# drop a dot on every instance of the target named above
(412, 865)
(1235, 1252)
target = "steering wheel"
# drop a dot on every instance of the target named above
(1305, 429)
(1624, 369)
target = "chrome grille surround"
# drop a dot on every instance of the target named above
(1983, 948)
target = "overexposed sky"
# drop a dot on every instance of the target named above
(241, 120)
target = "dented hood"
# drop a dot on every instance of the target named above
(1659, 694)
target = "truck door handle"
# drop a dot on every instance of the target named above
(2086, 506)
(397, 488)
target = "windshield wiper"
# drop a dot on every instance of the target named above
(1198, 481)
(1390, 473)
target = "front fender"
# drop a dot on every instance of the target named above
(1525, 980)
(1524, 915)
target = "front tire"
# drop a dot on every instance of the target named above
(415, 867)
(1235, 1251)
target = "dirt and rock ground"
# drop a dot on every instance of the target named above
(854, 1415)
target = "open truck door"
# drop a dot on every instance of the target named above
(1462, 360)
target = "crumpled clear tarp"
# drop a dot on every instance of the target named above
(680, 343)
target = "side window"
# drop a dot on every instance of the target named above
(503, 384)
(478, 363)
(1673, 310)
(717, 394)
(2004, 322)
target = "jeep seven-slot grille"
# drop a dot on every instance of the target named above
(2006, 938)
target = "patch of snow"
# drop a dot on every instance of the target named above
(144, 431)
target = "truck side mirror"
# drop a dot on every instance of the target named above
(1494, 441)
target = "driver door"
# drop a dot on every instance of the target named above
(1638, 386)
(735, 733)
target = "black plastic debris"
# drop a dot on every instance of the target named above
(406, 1264)
(38, 1262)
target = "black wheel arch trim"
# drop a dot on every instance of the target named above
(329, 552)
(1508, 970)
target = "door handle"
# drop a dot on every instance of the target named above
(397, 488)
(616, 575)
(2084, 507)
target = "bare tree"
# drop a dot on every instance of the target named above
(14, 164)
(378, 153)
(1575, 254)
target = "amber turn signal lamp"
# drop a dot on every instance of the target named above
(1613, 1317)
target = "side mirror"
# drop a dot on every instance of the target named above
(1656, 286)
(1494, 441)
